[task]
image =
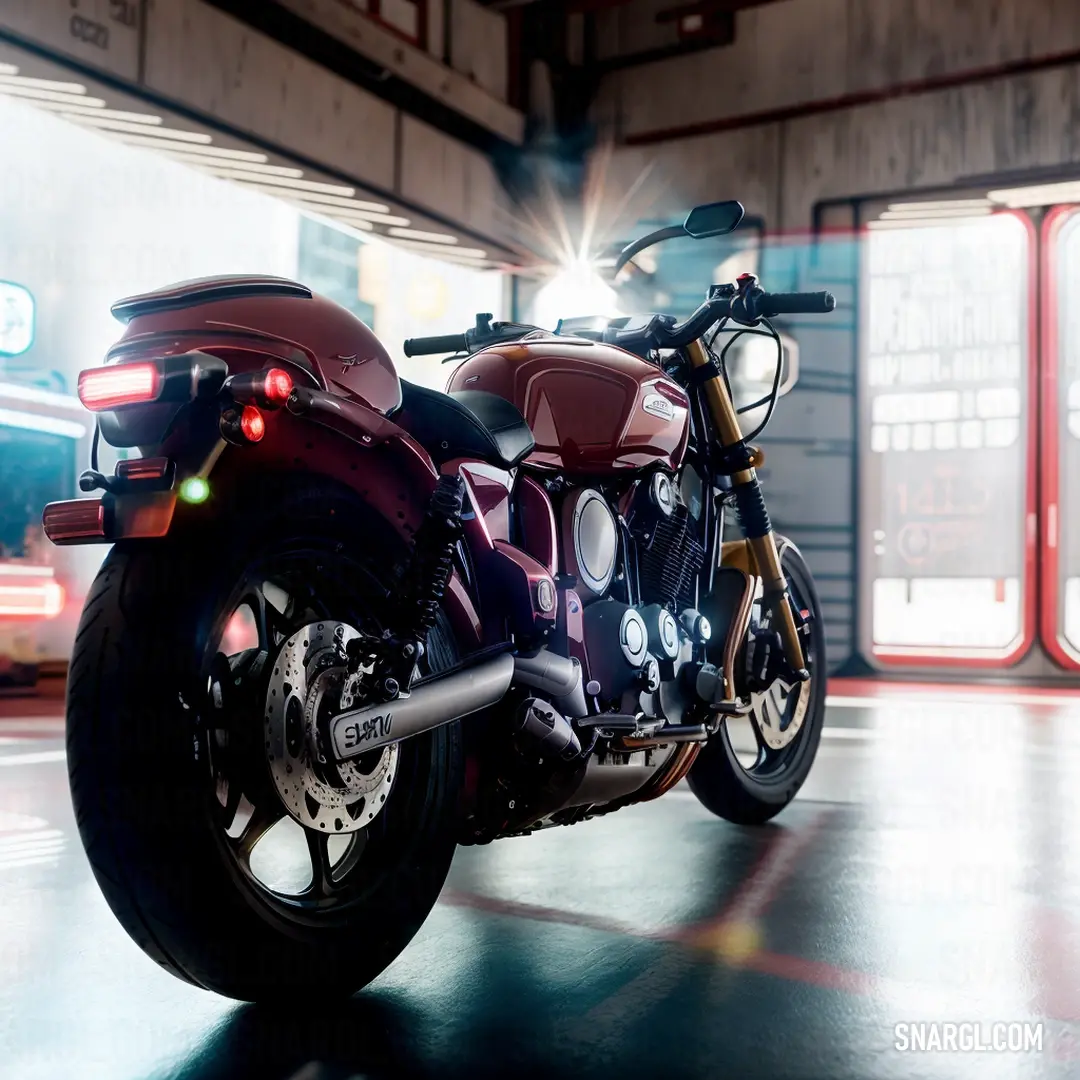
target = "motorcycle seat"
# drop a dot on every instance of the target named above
(465, 423)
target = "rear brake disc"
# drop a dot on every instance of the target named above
(306, 682)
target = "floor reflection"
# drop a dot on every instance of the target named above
(932, 875)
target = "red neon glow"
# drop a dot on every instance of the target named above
(277, 386)
(122, 384)
(252, 424)
(34, 599)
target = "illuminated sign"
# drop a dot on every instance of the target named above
(16, 319)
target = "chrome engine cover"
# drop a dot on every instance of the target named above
(590, 542)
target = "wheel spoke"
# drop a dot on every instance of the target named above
(263, 819)
(270, 624)
(322, 877)
(232, 804)
(762, 745)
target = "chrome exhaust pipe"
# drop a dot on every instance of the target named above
(450, 697)
(427, 706)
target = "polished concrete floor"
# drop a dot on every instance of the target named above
(929, 874)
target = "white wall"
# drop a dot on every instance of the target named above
(797, 53)
(478, 45)
(85, 220)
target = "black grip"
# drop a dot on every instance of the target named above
(797, 303)
(440, 343)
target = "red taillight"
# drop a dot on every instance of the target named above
(121, 384)
(252, 424)
(277, 386)
(75, 521)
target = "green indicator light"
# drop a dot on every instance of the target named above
(194, 490)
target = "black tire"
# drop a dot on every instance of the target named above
(139, 753)
(751, 797)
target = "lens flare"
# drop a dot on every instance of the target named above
(575, 290)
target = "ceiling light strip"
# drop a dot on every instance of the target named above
(923, 223)
(934, 215)
(30, 94)
(42, 84)
(163, 145)
(419, 234)
(293, 185)
(18, 392)
(442, 249)
(331, 216)
(147, 119)
(1038, 194)
(24, 570)
(315, 198)
(372, 218)
(940, 204)
(104, 122)
(260, 171)
(49, 425)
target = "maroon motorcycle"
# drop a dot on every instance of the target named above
(349, 623)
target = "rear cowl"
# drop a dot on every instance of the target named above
(273, 317)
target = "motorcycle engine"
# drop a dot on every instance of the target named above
(635, 649)
(669, 554)
(631, 563)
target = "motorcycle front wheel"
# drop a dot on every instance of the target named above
(781, 734)
(219, 877)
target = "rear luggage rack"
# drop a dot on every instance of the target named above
(205, 290)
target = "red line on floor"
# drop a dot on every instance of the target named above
(812, 972)
(897, 688)
(537, 913)
(792, 968)
(756, 892)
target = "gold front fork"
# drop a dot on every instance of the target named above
(774, 584)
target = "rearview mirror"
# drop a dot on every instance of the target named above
(713, 219)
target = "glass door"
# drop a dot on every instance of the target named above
(946, 465)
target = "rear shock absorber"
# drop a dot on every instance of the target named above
(432, 563)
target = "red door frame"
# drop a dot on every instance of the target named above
(1050, 446)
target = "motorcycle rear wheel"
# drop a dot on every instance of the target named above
(145, 752)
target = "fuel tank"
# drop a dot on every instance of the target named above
(267, 315)
(593, 408)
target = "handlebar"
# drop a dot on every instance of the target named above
(747, 303)
(811, 303)
(440, 343)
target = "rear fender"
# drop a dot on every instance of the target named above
(323, 436)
